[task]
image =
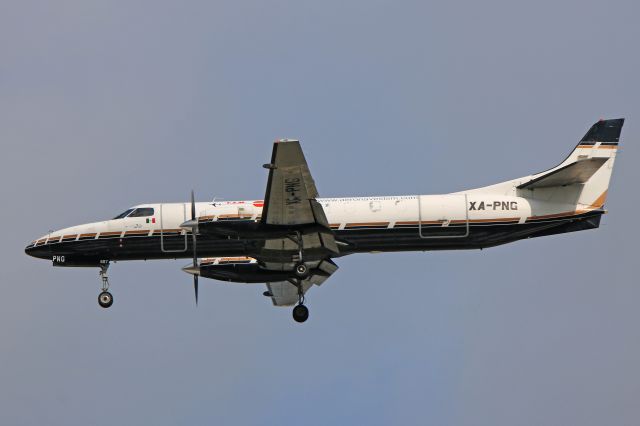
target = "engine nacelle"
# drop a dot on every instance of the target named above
(242, 272)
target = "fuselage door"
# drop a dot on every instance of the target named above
(172, 238)
(443, 216)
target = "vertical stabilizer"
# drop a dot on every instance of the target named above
(585, 174)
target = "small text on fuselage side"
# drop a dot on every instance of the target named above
(493, 205)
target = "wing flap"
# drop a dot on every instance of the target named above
(283, 293)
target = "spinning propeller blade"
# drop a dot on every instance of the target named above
(195, 253)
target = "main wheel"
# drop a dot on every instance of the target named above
(105, 299)
(301, 270)
(300, 313)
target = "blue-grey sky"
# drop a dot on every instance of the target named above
(106, 104)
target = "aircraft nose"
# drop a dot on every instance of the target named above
(41, 251)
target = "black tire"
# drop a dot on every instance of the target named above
(105, 299)
(300, 313)
(301, 270)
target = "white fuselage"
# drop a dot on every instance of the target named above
(388, 211)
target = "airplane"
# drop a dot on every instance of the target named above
(290, 239)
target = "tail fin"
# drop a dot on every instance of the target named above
(590, 164)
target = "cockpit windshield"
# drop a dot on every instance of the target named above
(139, 212)
(142, 212)
(123, 214)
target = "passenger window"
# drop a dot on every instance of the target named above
(142, 212)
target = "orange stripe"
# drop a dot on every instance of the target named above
(87, 235)
(69, 237)
(368, 224)
(565, 214)
(599, 202)
(598, 147)
(166, 231)
(143, 232)
(107, 234)
(506, 219)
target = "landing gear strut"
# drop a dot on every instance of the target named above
(300, 312)
(105, 299)
(301, 269)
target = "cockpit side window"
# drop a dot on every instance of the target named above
(142, 212)
(123, 214)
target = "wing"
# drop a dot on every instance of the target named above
(291, 209)
(291, 192)
(290, 201)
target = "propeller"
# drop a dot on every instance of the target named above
(195, 253)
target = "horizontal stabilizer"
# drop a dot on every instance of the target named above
(577, 172)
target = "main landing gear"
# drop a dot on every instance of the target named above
(300, 312)
(105, 299)
(301, 271)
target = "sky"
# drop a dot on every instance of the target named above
(108, 104)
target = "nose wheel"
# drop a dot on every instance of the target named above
(105, 299)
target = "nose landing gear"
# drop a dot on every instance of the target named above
(105, 299)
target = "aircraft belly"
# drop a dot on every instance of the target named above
(480, 235)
